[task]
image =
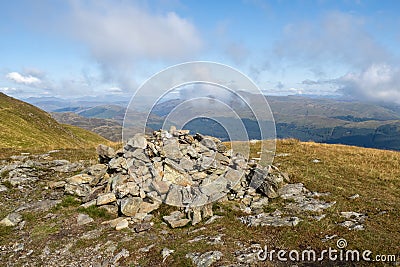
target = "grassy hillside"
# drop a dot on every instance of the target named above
(25, 126)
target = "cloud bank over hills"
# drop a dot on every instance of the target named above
(77, 48)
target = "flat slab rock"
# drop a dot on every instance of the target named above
(266, 219)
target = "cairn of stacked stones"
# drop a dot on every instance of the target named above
(176, 168)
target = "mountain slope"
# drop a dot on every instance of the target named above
(25, 126)
(108, 128)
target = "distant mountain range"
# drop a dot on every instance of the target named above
(327, 120)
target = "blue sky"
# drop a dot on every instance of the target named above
(78, 48)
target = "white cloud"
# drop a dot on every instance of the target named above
(336, 37)
(23, 79)
(378, 82)
(115, 90)
(9, 90)
(119, 35)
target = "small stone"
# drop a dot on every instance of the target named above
(196, 215)
(141, 227)
(205, 259)
(318, 217)
(213, 219)
(83, 219)
(354, 196)
(176, 219)
(18, 247)
(3, 188)
(105, 199)
(123, 254)
(12, 219)
(264, 219)
(146, 207)
(89, 204)
(166, 252)
(122, 224)
(113, 223)
(55, 185)
(146, 249)
(80, 179)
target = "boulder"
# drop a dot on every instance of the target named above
(130, 206)
(105, 153)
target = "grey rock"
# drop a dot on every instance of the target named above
(259, 204)
(264, 219)
(292, 191)
(162, 187)
(213, 219)
(166, 252)
(123, 254)
(57, 184)
(141, 227)
(146, 249)
(65, 166)
(118, 164)
(97, 170)
(80, 179)
(310, 204)
(83, 219)
(81, 190)
(206, 259)
(130, 206)
(138, 141)
(191, 152)
(209, 143)
(147, 207)
(218, 186)
(174, 174)
(355, 196)
(264, 183)
(186, 164)
(195, 215)
(11, 219)
(105, 199)
(171, 150)
(122, 224)
(176, 219)
(3, 188)
(105, 153)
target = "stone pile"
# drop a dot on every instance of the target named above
(174, 167)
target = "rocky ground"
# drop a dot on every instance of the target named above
(61, 213)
